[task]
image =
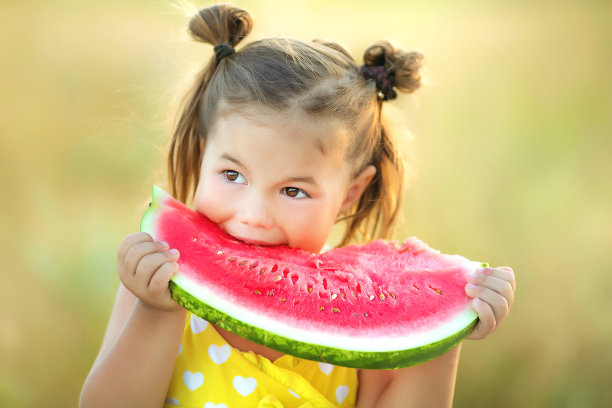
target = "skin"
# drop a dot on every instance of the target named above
(290, 197)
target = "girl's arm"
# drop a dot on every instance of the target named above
(134, 366)
(431, 384)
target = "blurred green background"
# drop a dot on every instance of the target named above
(511, 163)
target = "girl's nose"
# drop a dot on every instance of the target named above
(255, 212)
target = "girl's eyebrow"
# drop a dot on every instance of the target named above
(307, 180)
(232, 159)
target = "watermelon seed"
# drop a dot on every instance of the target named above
(438, 291)
(366, 314)
(309, 289)
(257, 292)
(242, 262)
(335, 310)
(232, 259)
(270, 292)
(416, 287)
(278, 278)
(382, 296)
(392, 295)
(343, 295)
(219, 252)
(334, 296)
(283, 300)
(321, 308)
(371, 297)
(262, 271)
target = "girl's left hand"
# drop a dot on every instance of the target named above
(493, 292)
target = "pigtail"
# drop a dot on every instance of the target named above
(223, 24)
(375, 215)
(404, 67)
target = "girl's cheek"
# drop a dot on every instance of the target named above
(213, 197)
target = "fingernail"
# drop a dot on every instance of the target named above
(165, 244)
(485, 271)
(469, 287)
(174, 251)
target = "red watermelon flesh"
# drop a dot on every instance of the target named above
(379, 305)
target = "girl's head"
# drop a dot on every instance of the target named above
(294, 118)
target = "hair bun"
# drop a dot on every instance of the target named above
(221, 23)
(405, 66)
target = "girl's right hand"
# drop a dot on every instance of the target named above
(145, 268)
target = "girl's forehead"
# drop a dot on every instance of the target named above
(329, 136)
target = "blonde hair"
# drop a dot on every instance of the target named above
(318, 79)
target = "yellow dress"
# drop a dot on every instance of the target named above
(209, 373)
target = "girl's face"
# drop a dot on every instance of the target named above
(264, 182)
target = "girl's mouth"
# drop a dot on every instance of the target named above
(250, 241)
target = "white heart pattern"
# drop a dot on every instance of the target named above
(211, 405)
(219, 354)
(197, 324)
(193, 380)
(244, 386)
(341, 393)
(326, 368)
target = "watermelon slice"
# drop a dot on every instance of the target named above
(380, 305)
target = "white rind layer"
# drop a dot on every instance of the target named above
(367, 343)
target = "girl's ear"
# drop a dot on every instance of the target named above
(356, 188)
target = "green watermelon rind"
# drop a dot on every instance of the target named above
(387, 359)
(319, 352)
(147, 221)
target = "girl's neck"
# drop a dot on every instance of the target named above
(246, 345)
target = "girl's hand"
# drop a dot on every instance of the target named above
(145, 268)
(493, 292)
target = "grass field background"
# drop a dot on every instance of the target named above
(511, 160)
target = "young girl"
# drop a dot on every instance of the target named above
(275, 142)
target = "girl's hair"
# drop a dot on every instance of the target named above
(317, 79)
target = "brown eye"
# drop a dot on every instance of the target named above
(233, 176)
(295, 192)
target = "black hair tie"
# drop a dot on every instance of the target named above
(383, 78)
(223, 50)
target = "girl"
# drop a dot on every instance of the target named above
(275, 142)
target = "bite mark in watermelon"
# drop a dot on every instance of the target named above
(379, 305)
